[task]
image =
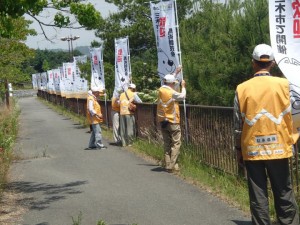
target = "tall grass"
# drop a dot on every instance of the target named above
(8, 132)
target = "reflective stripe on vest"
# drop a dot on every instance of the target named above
(167, 107)
(266, 111)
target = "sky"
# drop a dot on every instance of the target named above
(86, 37)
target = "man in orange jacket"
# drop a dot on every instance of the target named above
(263, 108)
(115, 115)
(94, 117)
(168, 116)
(127, 119)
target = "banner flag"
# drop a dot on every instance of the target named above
(39, 81)
(44, 81)
(122, 63)
(34, 81)
(80, 58)
(80, 84)
(50, 83)
(56, 75)
(284, 20)
(97, 68)
(62, 82)
(166, 35)
(69, 78)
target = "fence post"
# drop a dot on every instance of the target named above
(7, 94)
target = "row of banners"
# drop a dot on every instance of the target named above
(66, 81)
(284, 20)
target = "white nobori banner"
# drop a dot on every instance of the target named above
(284, 19)
(56, 79)
(97, 68)
(80, 84)
(34, 81)
(166, 30)
(122, 63)
(69, 78)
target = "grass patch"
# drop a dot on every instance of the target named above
(8, 133)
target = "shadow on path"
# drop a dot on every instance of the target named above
(238, 222)
(49, 193)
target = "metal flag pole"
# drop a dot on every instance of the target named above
(128, 54)
(179, 56)
(105, 99)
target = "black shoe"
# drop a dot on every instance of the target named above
(116, 143)
(88, 148)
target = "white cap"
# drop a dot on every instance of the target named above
(263, 53)
(132, 86)
(96, 88)
(169, 78)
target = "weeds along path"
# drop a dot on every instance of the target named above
(59, 180)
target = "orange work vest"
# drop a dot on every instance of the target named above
(97, 108)
(267, 121)
(124, 102)
(167, 107)
(115, 105)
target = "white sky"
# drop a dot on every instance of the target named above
(86, 37)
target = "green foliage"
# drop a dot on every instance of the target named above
(8, 133)
(77, 221)
(53, 59)
(86, 15)
(15, 28)
(101, 222)
(12, 56)
(148, 96)
(217, 42)
(45, 65)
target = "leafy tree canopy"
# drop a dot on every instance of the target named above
(85, 13)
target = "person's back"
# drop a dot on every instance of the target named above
(266, 109)
(167, 107)
(263, 129)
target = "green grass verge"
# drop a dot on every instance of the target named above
(8, 133)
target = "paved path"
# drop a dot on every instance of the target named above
(58, 179)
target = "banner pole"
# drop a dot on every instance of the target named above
(129, 59)
(106, 110)
(179, 56)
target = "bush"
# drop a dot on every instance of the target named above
(8, 133)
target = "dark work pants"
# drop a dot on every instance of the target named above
(280, 179)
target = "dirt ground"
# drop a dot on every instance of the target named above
(11, 208)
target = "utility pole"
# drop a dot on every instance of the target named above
(70, 40)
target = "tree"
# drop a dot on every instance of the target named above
(217, 42)
(85, 14)
(13, 52)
